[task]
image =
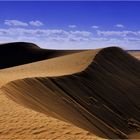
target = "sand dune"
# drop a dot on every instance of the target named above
(62, 65)
(19, 53)
(97, 90)
(17, 122)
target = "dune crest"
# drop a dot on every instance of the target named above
(55, 62)
(95, 90)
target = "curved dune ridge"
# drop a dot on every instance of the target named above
(97, 90)
(19, 53)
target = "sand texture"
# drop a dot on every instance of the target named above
(17, 122)
(96, 90)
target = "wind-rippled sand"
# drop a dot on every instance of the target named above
(17, 122)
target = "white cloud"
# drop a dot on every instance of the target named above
(119, 25)
(119, 33)
(54, 34)
(72, 26)
(15, 23)
(95, 27)
(81, 33)
(62, 39)
(36, 23)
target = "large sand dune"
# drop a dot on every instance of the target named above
(17, 123)
(97, 90)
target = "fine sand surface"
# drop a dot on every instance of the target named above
(22, 123)
(17, 122)
(58, 66)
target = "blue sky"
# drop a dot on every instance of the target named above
(71, 25)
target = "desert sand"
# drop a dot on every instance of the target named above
(18, 122)
(62, 65)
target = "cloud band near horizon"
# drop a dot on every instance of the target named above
(72, 38)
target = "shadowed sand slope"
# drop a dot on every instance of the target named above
(18, 53)
(59, 65)
(98, 91)
(20, 123)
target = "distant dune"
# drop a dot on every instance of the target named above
(18, 53)
(97, 90)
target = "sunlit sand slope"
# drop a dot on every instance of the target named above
(62, 65)
(19, 53)
(94, 90)
(17, 123)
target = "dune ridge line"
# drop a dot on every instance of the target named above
(97, 90)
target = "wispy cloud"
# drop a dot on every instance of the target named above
(64, 39)
(36, 23)
(72, 26)
(53, 34)
(15, 23)
(95, 27)
(119, 33)
(119, 25)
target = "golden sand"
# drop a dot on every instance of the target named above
(17, 122)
